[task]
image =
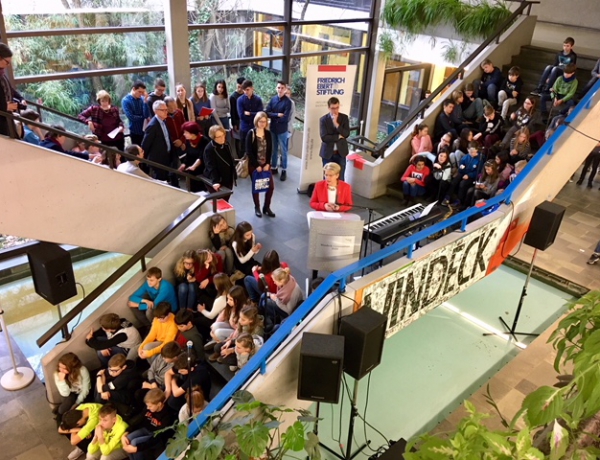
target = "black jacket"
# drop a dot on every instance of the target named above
(252, 148)
(219, 166)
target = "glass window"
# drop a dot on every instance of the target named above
(313, 37)
(58, 14)
(317, 10)
(232, 11)
(264, 79)
(72, 53)
(218, 44)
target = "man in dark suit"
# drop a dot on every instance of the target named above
(157, 144)
(8, 95)
(334, 129)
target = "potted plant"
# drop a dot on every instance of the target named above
(255, 431)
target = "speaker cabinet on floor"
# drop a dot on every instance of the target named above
(544, 225)
(364, 332)
(52, 272)
(321, 364)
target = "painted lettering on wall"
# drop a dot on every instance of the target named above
(406, 294)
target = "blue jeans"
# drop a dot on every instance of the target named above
(280, 140)
(252, 288)
(489, 92)
(412, 189)
(137, 437)
(187, 295)
(562, 109)
(339, 159)
(550, 73)
(273, 314)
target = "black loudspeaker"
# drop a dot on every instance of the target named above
(52, 272)
(364, 332)
(544, 225)
(395, 451)
(321, 364)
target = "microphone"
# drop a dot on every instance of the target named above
(190, 344)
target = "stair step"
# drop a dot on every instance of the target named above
(395, 190)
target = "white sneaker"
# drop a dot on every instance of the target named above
(233, 368)
(75, 454)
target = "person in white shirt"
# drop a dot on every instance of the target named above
(131, 166)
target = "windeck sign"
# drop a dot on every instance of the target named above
(410, 292)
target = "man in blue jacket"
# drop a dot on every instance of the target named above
(248, 105)
(154, 291)
(136, 111)
(279, 110)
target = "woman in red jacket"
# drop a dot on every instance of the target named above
(332, 194)
(414, 180)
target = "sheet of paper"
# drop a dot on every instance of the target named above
(114, 132)
(331, 215)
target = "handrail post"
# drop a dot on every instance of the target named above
(143, 263)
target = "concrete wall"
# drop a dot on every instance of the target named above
(195, 236)
(53, 197)
(372, 180)
(581, 13)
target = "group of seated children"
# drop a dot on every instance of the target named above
(481, 146)
(223, 301)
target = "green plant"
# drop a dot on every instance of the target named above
(258, 431)
(471, 20)
(386, 44)
(453, 52)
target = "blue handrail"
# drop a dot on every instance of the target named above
(258, 362)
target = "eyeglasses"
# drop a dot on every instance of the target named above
(219, 136)
(160, 110)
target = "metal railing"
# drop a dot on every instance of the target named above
(338, 278)
(111, 152)
(378, 149)
(137, 257)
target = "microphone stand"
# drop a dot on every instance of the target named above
(365, 239)
(190, 344)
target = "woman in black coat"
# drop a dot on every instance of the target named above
(192, 152)
(259, 147)
(219, 166)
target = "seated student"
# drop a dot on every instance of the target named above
(421, 140)
(132, 165)
(510, 91)
(486, 185)
(221, 237)
(117, 384)
(590, 83)
(520, 148)
(490, 129)
(210, 263)
(179, 378)
(460, 147)
(250, 322)
(245, 348)
(116, 335)
(56, 141)
(72, 380)
(155, 378)
(163, 330)
(505, 169)
(458, 117)
(441, 175)
(465, 176)
(144, 442)
(562, 93)
(207, 317)
(186, 283)
(245, 247)
(31, 134)
(106, 444)
(445, 142)
(414, 180)
(524, 117)
(198, 404)
(289, 295)
(444, 122)
(472, 106)
(262, 279)
(551, 73)
(227, 320)
(154, 291)
(187, 332)
(491, 80)
(79, 424)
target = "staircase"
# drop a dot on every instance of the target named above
(533, 60)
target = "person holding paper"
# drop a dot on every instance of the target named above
(105, 121)
(202, 108)
(332, 194)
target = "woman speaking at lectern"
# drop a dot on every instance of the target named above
(332, 194)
